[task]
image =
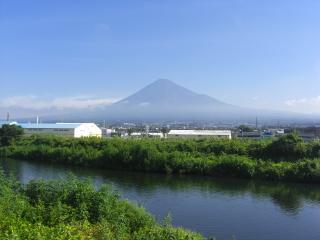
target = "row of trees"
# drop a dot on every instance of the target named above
(287, 158)
(287, 148)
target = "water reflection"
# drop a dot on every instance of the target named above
(213, 207)
(289, 197)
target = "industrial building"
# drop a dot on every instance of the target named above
(155, 135)
(254, 135)
(200, 134)
(107, 132)
(149, 135)
(309, 133)
(76, 130)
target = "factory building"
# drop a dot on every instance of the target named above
(76, 130)
(198, 134)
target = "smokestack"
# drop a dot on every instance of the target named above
(37, 120)
(8, 116)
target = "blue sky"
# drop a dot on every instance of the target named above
(263, 54)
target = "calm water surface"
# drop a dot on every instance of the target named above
(223, 208)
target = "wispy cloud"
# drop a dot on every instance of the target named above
(307, 105)
(304, 101)
(36, 103)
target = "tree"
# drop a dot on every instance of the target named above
(290, 146)
(129, 131)
(164, 131)
(245, 128)
(9, 134)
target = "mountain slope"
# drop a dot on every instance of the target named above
(165, 93)
(165, 100)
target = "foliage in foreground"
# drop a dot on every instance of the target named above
(73, 209)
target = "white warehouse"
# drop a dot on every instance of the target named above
(76, 130)
(200, 134)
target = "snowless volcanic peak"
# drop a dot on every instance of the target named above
(164, 92)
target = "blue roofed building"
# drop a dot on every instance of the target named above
(76, 130)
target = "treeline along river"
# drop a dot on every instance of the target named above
(288, 158)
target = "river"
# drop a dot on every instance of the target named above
(221, 208)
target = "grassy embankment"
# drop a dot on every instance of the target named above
(73, 209)
(287, 158)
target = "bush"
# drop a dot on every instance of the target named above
(9, 134)
(289, 147)
(73, 209)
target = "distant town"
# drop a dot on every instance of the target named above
(192, 130)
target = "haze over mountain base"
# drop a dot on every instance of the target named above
(163, 100)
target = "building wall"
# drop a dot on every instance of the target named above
(192, 136)
(49, 131)
(250, 135)
(80, 130)
(87, 130)
(107, 133)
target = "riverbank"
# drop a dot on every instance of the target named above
(285, 159)
(74, 209)
(214, 207)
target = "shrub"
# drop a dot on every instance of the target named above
(73, 209)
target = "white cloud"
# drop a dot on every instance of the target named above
(36, 103)
(306, 105)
